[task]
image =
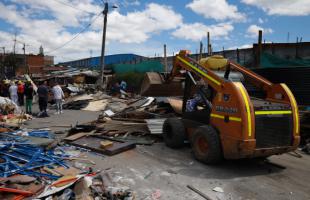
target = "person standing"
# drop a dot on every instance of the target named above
(58, 97)
(20, 93)
(43, 98)
(29, 93)
(5, 89)
(13, 93)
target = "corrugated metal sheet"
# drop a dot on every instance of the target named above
(297, 79)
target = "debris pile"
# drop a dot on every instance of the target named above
(122, 125)
(33, 165)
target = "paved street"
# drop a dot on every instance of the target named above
(147, 169)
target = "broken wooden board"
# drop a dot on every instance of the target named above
(76, 136)
(71, 171)
(96, 106)
(94, 143)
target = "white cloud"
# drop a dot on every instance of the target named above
(137, 27)
(198, 31)
(282, 7)
(51, 29)
(260, 20)
(52, 24)
(219, 10)
(253, 29)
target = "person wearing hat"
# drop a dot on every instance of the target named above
(13, 92)
(20, 92)
(29, 93)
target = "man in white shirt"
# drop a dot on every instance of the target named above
(58, 96)
(13, 93)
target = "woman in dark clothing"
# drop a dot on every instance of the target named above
(29, 93)
(5, 89)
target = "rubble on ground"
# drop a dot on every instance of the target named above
(31, 167)
(123, 122)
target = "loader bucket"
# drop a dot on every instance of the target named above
(154, 85)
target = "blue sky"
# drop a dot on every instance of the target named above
(142, 27)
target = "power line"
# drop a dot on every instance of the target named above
(84, 29)
(69, 5)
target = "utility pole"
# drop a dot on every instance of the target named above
(165, 58)
(25, 58)
(3, 60)
(200, 50)
(209, 44)
(260, 48)
(14, 46)
(105, 13)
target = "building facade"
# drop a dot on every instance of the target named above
(19, 64)
(94, 62)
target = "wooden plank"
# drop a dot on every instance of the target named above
(76, 136)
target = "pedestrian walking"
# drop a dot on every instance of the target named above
(58, 97)
(43, 98)
(20, 93)
(13, 92)
(29, 93)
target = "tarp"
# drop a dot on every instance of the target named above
(142, 67)
(272, 61)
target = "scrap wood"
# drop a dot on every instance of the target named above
(198, 192)
(71, 171)
(19, 197)
(96, 105)
(64, 181)
(11, 190)
(51, 171)
(78, 135)
(128, 119)
(18, 179)
(50, 189)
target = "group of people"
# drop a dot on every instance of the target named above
(18, 91)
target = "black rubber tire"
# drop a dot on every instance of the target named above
(206, 145)
(174, 133)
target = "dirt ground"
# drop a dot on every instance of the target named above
(166, 172)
